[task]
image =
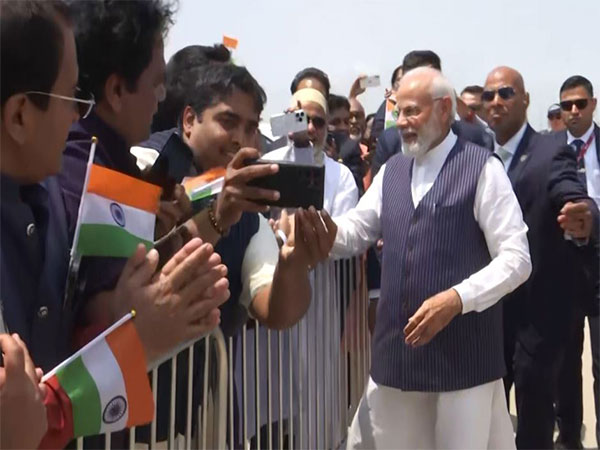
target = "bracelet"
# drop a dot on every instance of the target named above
(282, 236)
(213, 220)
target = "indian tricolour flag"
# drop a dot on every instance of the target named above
(117, 213)
(390, 114)
(104, 386)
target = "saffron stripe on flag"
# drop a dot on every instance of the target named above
(108, 240)
(124, 189)
(103, 211)
(127, 349)
(106, 373)
(85, 399)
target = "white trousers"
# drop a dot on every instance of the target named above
(474, 418)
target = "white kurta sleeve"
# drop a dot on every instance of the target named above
(346, 195)
(360, 227)
(499, 215)
(260, 260)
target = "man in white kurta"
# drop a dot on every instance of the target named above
(432, 385)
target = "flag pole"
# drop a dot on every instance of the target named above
(75, 258)
(90, 344)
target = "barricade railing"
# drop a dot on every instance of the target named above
(297, 388)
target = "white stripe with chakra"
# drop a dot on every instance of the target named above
(97, 210)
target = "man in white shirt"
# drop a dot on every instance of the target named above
(577, 106)
(341, 192)
(455, 243)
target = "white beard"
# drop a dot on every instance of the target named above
(425, 137)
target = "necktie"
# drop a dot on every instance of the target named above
(577, 145)
(504, 155)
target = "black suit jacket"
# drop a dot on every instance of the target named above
(544, 177)
(389, 142)
(589, 288)
(378, 122)
(350, 156)
(562, 139)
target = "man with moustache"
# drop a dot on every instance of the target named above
(559, 216)
(455, 244)
(577, 106)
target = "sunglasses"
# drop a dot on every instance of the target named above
(84, 101)
(505, 93)
(567, 105)
(318, 122)
(554, 116)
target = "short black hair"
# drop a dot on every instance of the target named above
(311, 72)
(178, 81)
(421, 58)
(473, 89)
(32, 44)
(395, 73)
(577, 81)
(213, 83)
(117, 37)
(336, 102)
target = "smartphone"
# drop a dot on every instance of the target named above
(300, 185)
(172, 165)
(292, 122)
(372, 81)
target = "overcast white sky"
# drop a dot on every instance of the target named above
(546, 40)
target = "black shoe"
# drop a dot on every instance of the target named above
(574, 444)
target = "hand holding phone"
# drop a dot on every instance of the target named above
(371, 81)
(238, 195)
(289, 123)
(299, 185)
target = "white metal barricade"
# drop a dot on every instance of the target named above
(297, 388)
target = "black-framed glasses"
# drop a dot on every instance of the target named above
(567, 105)
(84, 101)
(555, 115)
(505, 93)
(318, 122)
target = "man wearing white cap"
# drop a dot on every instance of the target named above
(341, 193)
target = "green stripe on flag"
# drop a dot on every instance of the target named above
(85, 398)
(108, 240)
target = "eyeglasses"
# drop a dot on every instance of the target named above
(567, 105)
(554, 115)
(318, 122)
(505, 93)
(83, 101)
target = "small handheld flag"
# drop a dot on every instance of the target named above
(105, 385)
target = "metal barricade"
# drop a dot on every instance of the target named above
(210, 430)
(297, 388)
(300, 388)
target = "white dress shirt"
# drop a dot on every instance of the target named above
(341, 193)
(590, 159)
(511, 145)
(495, 209)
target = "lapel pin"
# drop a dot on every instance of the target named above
(523, 158)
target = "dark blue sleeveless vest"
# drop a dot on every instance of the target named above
(428, 250)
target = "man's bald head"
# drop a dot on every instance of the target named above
(426, 106)
(507, 73)
(505, 102)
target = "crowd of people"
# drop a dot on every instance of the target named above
(481, 234)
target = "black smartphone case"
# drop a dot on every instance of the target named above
(300, 185)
